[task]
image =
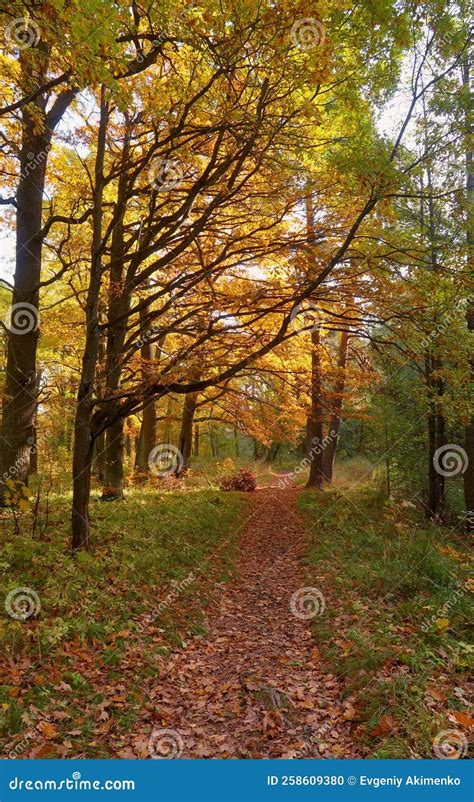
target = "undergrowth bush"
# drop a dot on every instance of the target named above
(244, 479)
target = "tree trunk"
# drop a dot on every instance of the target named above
(335, 422)
(316, 468)
(436, 507)
(83, 435)
(186, 434)
(315, 422)
(21, 378)
(236, 442)
(99, 443)
(196, 440)
(118, 307)
(468, 476)
(147, 437)
(169, 413)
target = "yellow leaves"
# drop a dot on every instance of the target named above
(442, 624)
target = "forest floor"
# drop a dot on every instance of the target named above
(253, 686)
(280, 623)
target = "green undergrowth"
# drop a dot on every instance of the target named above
(395, 625)
(110, 617)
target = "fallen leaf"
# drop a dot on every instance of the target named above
(386, 725)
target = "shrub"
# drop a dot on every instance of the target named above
(244, 479)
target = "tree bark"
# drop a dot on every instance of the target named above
(196, 440)
(117, 313)
(83, 435)
(21, 378)
(316, 467)
(147, 438)
(436, 439)
(315, 418)
(335, 421)
(468, 476)
(186, 434)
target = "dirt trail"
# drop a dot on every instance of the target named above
(253, 686)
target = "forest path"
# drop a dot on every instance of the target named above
(252, 687)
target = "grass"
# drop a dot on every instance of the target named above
(397, 597)
(108, 618)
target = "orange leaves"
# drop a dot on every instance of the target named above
(385, 726)
(48, 731)
(463, 719)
